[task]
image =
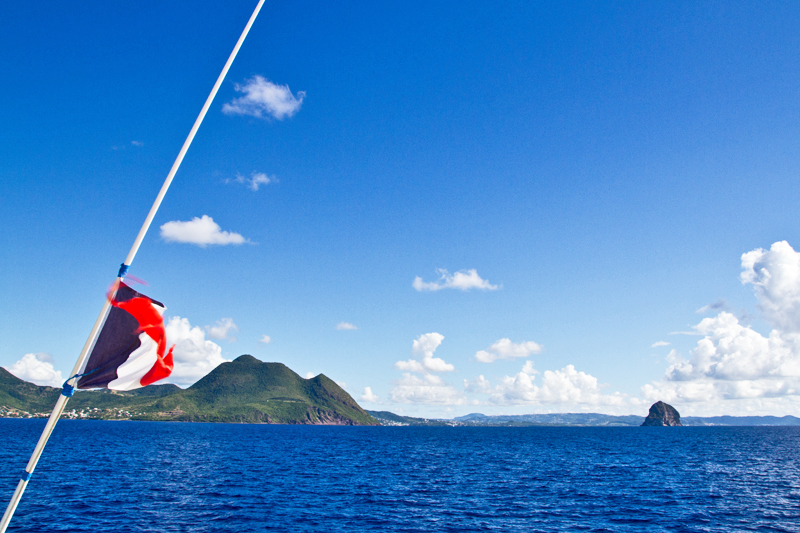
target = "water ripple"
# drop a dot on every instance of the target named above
(139, 476)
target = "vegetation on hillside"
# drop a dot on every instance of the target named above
(244, 390)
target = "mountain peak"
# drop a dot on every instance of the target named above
(246, 358)
(243, 390)
(272, 392)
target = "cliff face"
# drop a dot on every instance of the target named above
(662, 414)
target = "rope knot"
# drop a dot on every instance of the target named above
(67, 390)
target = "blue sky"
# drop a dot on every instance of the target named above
(601, 167)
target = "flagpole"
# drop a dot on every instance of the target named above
(68, 387)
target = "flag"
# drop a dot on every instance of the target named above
(130, 351)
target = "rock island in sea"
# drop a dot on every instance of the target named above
(662, 414)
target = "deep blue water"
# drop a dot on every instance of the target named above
(142, 476)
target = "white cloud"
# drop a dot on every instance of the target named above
(194, 356)
(345, 326)
(223, 330)
(426, 345)
(411, 365)
(463, 280)
(266, 339)
(775, 276)
(505, 349)
(368, 396)
(137, 143)
(733, 361)
(731, 351)
(200, 231)
(673, 357)
(310, 375)
(565, 386)
(263, 98)
(255, 180)
(342, 384)
(37, 368)
(659, 343)
(258, 179)
(479, 384)
(426, 389)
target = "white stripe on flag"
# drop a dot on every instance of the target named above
(139, 363)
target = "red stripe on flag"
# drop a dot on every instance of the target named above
(151, 323)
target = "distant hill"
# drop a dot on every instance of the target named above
(387, 418)
(248, 390)
(244, 390)
(787, 420)
(576, 420)
(551, 419)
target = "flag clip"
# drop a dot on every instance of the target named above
(67, 390)
(26, 476)
(123, 270)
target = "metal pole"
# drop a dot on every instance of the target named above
(62, 400)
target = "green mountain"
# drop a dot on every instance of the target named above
(16, 394)
(244, 390)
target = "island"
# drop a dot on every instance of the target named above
(662, 414)
(244, 390)
(247, 390)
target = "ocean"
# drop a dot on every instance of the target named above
(156, 476)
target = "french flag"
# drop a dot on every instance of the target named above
(130, 351)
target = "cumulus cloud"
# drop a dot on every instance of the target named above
(659, 343)
(411, 365)
(223, 330)
(256, 180)
(200, 231)
(194, 356)
(426, 389)
(479, 384)
(310, 375)
(37, 368)
(733, 361)
(775, 276)
(345, 326)
(369, 396)
(266, 339)
(505, 349)
(425, 345)
(463, 280)
(263, 99)
(565, 386)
